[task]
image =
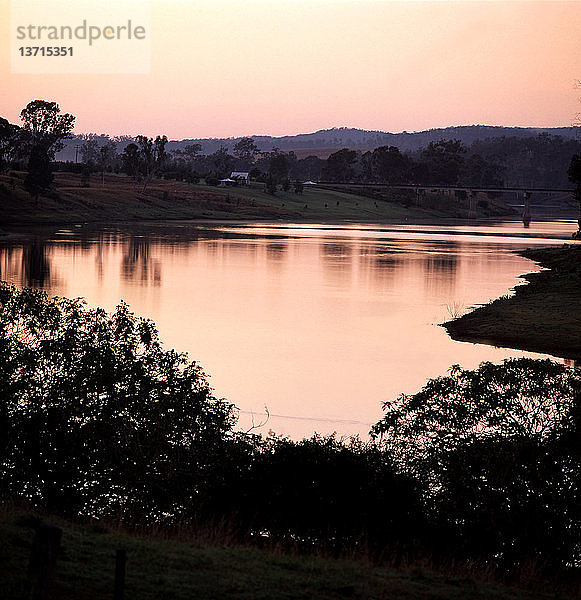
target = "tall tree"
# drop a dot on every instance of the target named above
(39, 178)
(9, 142)
(389, 165)
(443, 160)
(107, 155)
(278, 167)
(130, 162)
(221, 161)
(90, 152)
(245, 149)
(574, 173)
(45, 128)
(144, 160)
(340, 166)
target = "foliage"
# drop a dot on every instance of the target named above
(493, 448)
(278, 168)
(574, 173)
(389, 165)
(97, 417)
(10, 136)
(327, 491)
(46, 126)
(221, 162)
(245, 149)
(340, 166)
(518, 398)
(443, 161)
(39, 178)
(141, 161)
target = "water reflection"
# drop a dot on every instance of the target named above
(320, 323)
(35, 264)
(137, 262)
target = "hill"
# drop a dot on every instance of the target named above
(324, 141)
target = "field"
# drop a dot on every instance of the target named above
(116, 199)
(190, 567)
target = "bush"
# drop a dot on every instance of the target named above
(96, 417)
(498, 452)
(324, 491)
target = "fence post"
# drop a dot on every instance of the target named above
(43, 560)
(120, 558)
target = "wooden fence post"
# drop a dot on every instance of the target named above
(120, 558)
(43, 560)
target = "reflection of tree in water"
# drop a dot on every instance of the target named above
(337, 259)
(137, 263)
(441, 269)
(8, 259)
(35, 264)
(276, 250)
(379, 265)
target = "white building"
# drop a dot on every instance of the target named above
(240, 176)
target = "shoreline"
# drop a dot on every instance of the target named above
(542, 316)
(115, 199)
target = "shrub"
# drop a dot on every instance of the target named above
(97, 417)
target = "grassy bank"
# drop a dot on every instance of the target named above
(543, 316)
(159, 567)
(116, 199)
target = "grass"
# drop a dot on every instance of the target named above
(543, 316)
(117, 200)
(160, 568)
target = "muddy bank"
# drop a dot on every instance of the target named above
(542, 316)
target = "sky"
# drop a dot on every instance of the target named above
(226, 68)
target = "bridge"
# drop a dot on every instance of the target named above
(470, 192)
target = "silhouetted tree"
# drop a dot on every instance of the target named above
(389, 165)
(500, 480)
(97, 418)
(222, 162)
(152, 157)
(144, 160)
(39, 178)
(10, 138)
(574, 173)
(443, 161)
(45, 128)
(340, 166)
(278, 167)
(245, 149)
(130, 161)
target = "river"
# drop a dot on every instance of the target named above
(318, 323)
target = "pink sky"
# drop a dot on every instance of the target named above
(240, 67)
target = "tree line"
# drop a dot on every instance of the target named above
(480, 467)
(539, 161)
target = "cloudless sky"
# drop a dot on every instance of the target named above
(239, 67)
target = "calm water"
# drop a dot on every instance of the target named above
(318, 323)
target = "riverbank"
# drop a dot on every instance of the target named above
(115, 199)
(542, 316)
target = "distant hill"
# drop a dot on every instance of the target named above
(329, 139)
